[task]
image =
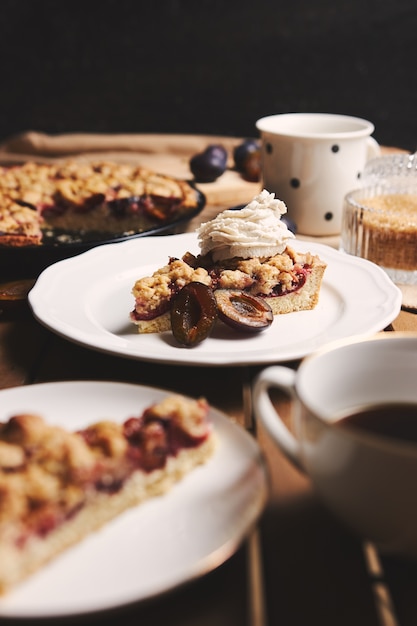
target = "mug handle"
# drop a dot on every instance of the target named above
(283, 378)
(373, 149)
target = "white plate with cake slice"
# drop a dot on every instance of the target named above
(88, 299)
(159, 544)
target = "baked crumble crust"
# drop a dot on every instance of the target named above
(101, 196)
(57, 486)
(265, 276)
(18, 219)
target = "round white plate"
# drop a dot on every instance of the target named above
(157, 545)
(88, 299)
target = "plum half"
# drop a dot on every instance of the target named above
(243, 311)
(193, 314)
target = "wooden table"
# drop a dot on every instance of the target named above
(298, 567)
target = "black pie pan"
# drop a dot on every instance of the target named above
(29, 261)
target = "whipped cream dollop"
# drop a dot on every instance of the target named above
(254, 231)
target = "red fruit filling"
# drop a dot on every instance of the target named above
(143, 312)
(151, 440)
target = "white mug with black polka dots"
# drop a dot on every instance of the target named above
(311, 161)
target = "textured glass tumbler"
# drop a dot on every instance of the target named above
(379, 223)
(390, 170)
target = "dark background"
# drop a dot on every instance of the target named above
(206, 66)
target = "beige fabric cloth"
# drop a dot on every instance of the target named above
(42, 144)
(53, 146)
(167, 154)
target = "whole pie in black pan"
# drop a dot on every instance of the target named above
(53, 211)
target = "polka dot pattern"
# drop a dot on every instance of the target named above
(297, 183)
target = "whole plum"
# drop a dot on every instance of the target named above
(208, 165)
(242, 150)
(291, 225)
(247, 158)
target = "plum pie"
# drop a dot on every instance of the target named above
(87, 198)
(288, 282)
(57, 486)
(246, 253)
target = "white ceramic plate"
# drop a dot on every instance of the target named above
(88, 299)
(161, 543)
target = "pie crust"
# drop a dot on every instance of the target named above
(73, 196)
(57, 486)
(289, 282)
